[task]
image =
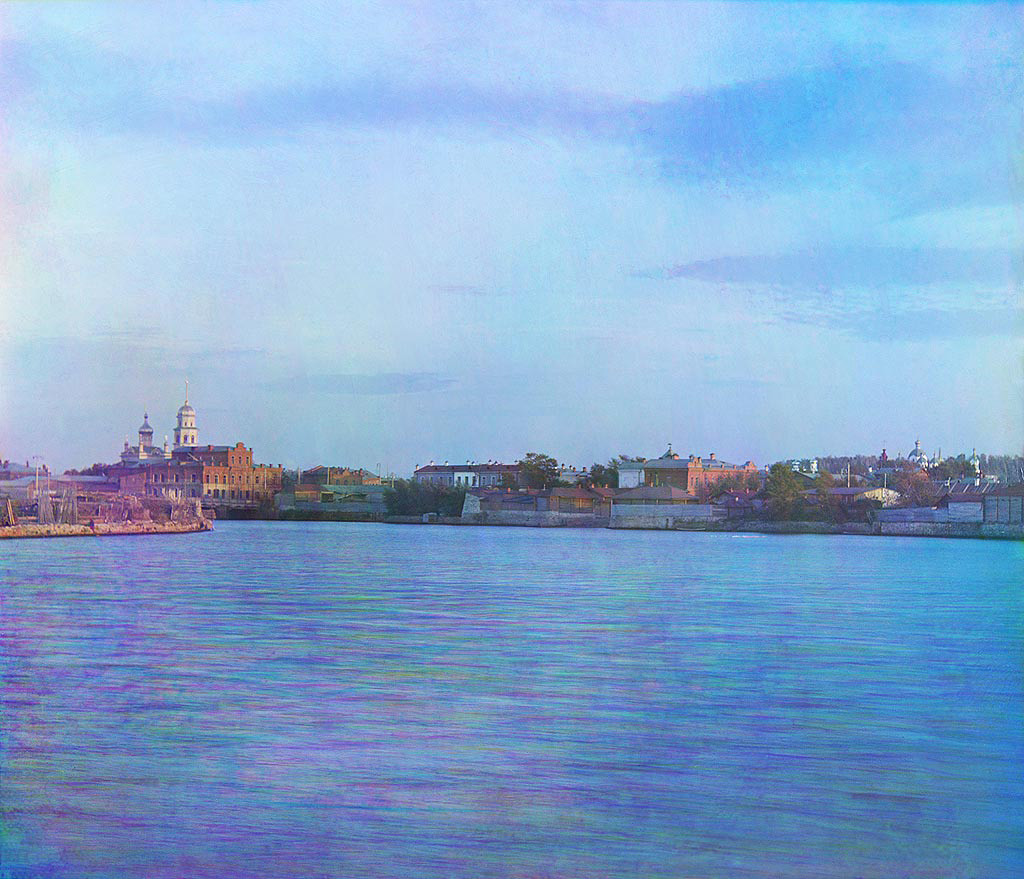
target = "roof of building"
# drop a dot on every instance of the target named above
(472, 468)
(965, 498)
(573, 492)
(851, 491)
(970, 486)
(692, 461)
(738, 494)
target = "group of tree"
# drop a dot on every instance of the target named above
(790, 498)
(539, 471)
(94, 470)
(859, 465)
(607, 475)
(409, 497)
(1007, 468)
(784, 492)
(953, 468)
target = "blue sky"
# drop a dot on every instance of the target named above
(383, 235)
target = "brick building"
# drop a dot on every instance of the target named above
(321, 475)
(217, 474)
(694, 474)
(470, 474)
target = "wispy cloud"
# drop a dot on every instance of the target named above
(372, 384)
(880, 293)
(464, 290)
(841, 267)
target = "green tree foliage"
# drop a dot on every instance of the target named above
(858, 464)
(829, 507)
(783, 489)
(1006, 468)
(539, 470)
(739, 482)
(606, 475)
(94, 470)
(953, 468)
(408, 497)
(916, 489)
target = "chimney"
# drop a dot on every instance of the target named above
(711, 455)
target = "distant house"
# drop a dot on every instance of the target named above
(694, 474)
(576, 500)
(565, 499)
(328, 498)
(631, 474)
(10, 470)
(804, 465)
(1002, 505)
(470, 474)
(322, 475)
(573, 475)
(850, 496)
(740, 503)
(964, 507)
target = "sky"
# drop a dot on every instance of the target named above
(379, 235)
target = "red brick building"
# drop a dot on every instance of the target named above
(694, 474)
(214, 473)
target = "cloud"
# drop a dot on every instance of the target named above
(879, 293)
(839, 267)
(463, 290)
(374, 384)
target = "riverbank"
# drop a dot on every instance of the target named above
(120, 529)
(976, 530)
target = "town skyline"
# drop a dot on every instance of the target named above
(764, 230)
(355, 459)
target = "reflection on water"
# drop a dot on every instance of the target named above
(327, 700)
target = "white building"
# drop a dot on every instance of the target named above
(631, 474)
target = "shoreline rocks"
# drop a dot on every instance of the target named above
(104, 529)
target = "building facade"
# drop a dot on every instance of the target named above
(470, 474)
(216, 474)
(696, 475)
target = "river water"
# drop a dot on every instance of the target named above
(345, 700)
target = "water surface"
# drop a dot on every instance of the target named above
(332, 700)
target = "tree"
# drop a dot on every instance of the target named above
(953, 468)
(606, 475)
(783, 489)
(916, 489)
(828, 503)
(539, 470)
(94, 470)
(409, 497)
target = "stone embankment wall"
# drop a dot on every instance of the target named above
(950, 529)
(531, 519)
(705, 512)
(665, 516)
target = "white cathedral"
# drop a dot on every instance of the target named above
(186, 436)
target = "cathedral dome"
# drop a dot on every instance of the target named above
(145, 428)
(186, 409)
